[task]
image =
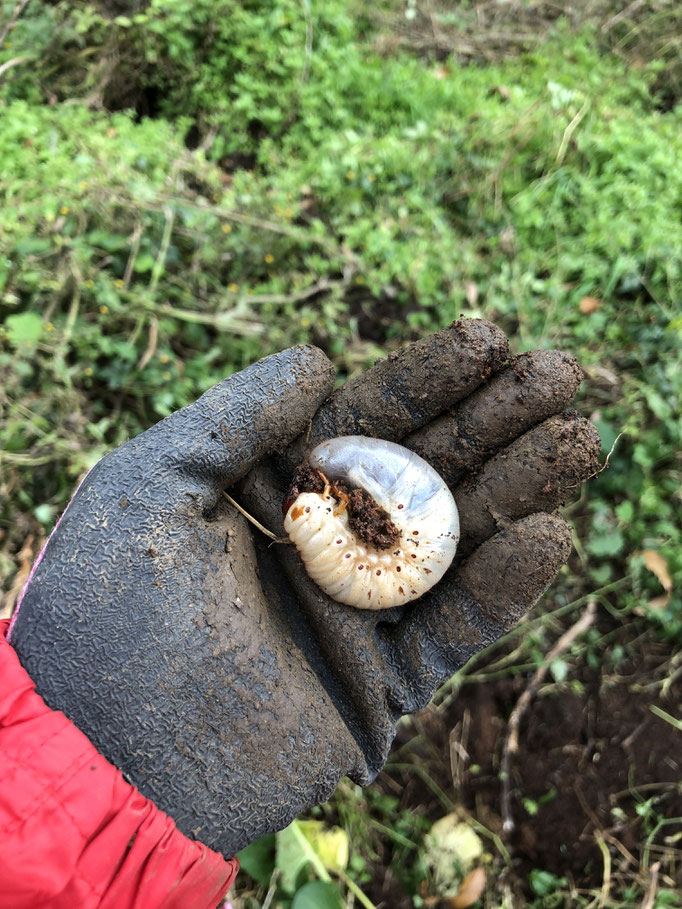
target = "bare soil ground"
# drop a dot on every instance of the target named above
(597, 773)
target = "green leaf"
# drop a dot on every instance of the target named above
(330, 844)
(549, 796)
(31, 246)
(144, 262)
(295, 850)
(607, 432)
(531, 806)
(625, 511)
(317, 895)
(544, 882)
(258, 859)
(44, 513)
(559, 670)
(103, 239)
(657, 404)
(24, 328)
(291, 856)
(607, 544)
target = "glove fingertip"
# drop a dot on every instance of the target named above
(415, 384)
(508, 573)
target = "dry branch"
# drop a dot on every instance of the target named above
(14, 18)
(511, 739)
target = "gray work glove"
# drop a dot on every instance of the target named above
(201, 660)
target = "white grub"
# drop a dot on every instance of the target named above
(418, 502)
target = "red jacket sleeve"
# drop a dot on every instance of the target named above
(73, 833)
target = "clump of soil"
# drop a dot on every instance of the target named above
(369, 522)
(305, 479)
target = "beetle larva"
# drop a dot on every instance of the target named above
(378, 550)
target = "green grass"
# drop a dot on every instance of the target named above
(184, 193)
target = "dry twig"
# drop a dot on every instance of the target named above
(459, 754)
(150, 350)
(135, 239)
(511, 739)
(15, 61)
(14, 18)
(650, 897)
(24, 558)
(622, 14)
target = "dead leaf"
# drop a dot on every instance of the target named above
(24, 558)
(604, 375)
(470, 890)
(387, 45)
(471, 291)
(452, 847)
(658, 566)
(658, 602)
(588, 305)
(440, 72)
(508, 240)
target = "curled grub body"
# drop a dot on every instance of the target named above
(403, 502)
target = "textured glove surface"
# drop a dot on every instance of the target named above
(204, 663)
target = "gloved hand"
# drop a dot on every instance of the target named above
(199, 657)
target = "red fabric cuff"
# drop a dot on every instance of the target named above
(73, 833)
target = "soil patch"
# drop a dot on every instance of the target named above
(367, 519)
(370, 522)
(377, 317)
(596, 763)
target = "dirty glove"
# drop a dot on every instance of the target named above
(199, 657)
